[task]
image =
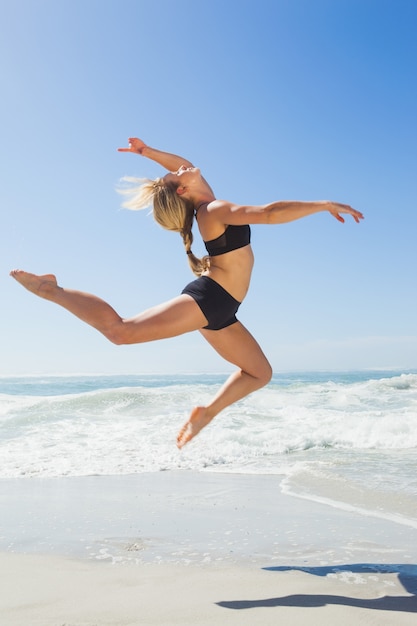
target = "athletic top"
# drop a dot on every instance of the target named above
(234, 237)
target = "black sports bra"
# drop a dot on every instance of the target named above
(234, 237)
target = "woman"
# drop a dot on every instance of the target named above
(209, 303)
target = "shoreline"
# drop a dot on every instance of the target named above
(193, 548)
(213, 516)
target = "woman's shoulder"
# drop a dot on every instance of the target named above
(214, 211)
(218, 205)
(211, 219)
(219, 210)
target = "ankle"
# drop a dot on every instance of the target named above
(47, 289)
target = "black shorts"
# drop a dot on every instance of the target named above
(218, 306)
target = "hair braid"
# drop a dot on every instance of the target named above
(198, 266)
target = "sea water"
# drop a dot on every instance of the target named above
(348, 439)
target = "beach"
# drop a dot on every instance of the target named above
(191, 547)
(296, 505)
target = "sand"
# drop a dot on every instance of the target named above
(194, 549)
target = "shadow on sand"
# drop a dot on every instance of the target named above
(407, 576)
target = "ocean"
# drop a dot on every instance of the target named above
(348, 439)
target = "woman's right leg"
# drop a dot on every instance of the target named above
(170, 319)
(236, 345)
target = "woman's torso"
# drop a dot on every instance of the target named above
(232, 270)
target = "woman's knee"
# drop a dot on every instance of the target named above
(265, 374)
(118, 334)
(262, 374)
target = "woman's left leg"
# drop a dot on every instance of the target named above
(238, 346)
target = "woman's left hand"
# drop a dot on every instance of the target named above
(335, 209)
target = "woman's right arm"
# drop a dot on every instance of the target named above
(170, 162)
(280, 212)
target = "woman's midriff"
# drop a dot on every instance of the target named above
(233, 271)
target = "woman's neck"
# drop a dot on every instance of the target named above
(199, 205)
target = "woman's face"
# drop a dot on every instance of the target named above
(184, 176)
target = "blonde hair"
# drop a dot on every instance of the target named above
(170, 211)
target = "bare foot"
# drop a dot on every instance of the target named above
(197, 420)
(39, 285)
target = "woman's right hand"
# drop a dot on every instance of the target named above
(135, 145)
(335, 209)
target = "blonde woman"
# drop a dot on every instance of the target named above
(209, 303)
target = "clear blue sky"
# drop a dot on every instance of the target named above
(279, 99)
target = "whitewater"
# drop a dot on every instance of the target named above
(346, 438)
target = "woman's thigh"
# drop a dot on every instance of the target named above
(175, 317)
(237, 346)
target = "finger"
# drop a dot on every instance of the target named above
(124, 149)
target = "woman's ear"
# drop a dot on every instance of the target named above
(181, 190)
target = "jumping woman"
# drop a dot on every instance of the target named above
(210, 302)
